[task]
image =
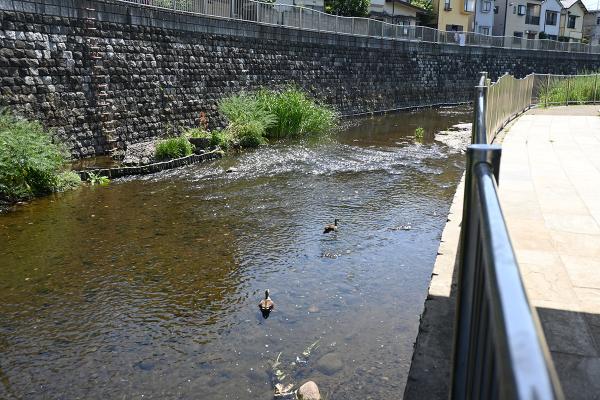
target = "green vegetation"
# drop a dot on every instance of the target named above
(97, 179)
(295, 113)
(419, 133)
(256, 117)
(197, 133)
(348, 8)
(577, 90)
(30, 163)
(173, 148)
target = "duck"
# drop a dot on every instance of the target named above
(331, 227)
(266, 304)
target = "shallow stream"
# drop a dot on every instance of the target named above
(148, 288)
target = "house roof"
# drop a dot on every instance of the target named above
(570, 3)
(591, 5)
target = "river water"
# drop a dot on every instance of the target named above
(148, 288)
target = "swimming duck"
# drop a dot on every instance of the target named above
(331, 227)
(266, 304)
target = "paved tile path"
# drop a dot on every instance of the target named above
(550, 195)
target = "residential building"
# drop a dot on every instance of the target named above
(484, 16)
(455, 15)
(518, 18)
(549, 27)
(395, 12)
(591, 27)
(529, 19)
(571, 20)
(314, 4)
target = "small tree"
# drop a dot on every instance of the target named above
(348, 8)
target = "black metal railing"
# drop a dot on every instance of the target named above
(500, 351)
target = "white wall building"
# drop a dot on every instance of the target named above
(550, 18)
(484, 16)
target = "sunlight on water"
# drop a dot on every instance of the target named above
(150, 286)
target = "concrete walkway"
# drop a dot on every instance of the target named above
(550, 195)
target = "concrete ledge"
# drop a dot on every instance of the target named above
(150, 168)
(429, 375)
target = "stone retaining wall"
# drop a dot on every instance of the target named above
(103, 73)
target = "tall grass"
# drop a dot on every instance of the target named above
(574, 90)
(296, 114)
(30, 163)
(256, 117)
(173, 148)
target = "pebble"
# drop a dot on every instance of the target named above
(330, 363)
(309, 391)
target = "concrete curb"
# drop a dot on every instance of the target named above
(150, 168)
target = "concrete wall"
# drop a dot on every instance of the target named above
(103, 74)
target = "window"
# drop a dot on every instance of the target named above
(598, 21)
(533, 14)
(447, 5)
(517, 37)
(486, 6)
(469, 5)
(496, 9)
(521, 10)
(551, 18)
(484, 30)
(571, 22)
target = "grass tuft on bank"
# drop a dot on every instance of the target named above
(255, 118)
(30, 163)
(175, 147)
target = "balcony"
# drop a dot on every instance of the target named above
(532, 20)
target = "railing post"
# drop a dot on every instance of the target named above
(257, 11)
(479, 133)
(337, 24)
(206, 7)
(382, 27)
(369, 27)
(174, 4)
(467, 263)
(567, 97)
(353, 26)
(301, 26)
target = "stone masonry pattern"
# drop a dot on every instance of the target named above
(102, 74)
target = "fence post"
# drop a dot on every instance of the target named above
(567, 99)
(353, 26)
(369, 27)
(337, 24)
(547, 91)
(595, 86)
(257, 11)
(319, 21)
(205, 3)
(382, 27)
(174, 4)
(467, 259)
(301, 26)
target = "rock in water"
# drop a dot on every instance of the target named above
(330, 363)
(232, 169)
(309, 391)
